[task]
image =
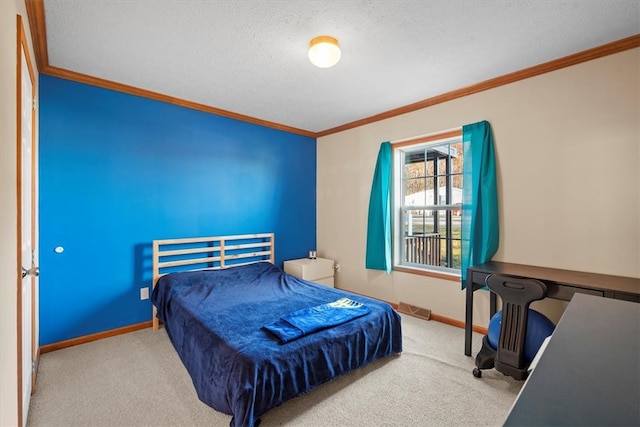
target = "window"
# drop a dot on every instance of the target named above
(428, 203)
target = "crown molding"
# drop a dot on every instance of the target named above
(557, 64)
(36, 15)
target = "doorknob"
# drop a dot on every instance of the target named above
(33, 271)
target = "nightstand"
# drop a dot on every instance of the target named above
(318, 270)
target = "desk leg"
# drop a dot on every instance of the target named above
(493, 307)
(468, 319)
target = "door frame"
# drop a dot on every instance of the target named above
(23, 49)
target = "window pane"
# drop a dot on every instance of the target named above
(418, 222)
(442, 166)
(414, 170)
(432, 238)
(432, 176)
(414, 192)
(442, 192)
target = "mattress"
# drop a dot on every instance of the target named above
(216, 321)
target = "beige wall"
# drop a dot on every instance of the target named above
(8, 211)
(567, 146)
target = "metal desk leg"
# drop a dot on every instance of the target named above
(468, 319)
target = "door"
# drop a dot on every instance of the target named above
(27, 321)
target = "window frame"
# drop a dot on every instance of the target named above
(398, 148)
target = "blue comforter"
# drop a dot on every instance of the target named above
(215, 321)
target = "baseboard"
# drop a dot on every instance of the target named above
(443, 319)
(459, 323)
(144, 325)
(94, 337)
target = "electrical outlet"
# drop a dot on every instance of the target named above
(337, 267)
(144, 293)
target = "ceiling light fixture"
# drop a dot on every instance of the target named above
(324, 51)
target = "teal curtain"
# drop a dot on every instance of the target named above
(379, 223)
(480, 233)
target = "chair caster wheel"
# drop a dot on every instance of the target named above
(477, 373)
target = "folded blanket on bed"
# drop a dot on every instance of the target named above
(309, 320)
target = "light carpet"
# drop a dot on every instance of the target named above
(137, 379)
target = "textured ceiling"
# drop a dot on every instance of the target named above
(250, 57)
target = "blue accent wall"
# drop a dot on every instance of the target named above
(118, 171)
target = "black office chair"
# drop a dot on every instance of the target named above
(516, 294)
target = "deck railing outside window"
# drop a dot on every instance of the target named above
(423, 249)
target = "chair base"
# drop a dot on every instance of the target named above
(519, 374)
(486, 359)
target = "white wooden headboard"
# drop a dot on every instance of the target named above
(209, 253)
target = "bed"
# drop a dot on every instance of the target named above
(220, 314)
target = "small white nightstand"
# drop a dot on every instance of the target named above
(318, 270)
